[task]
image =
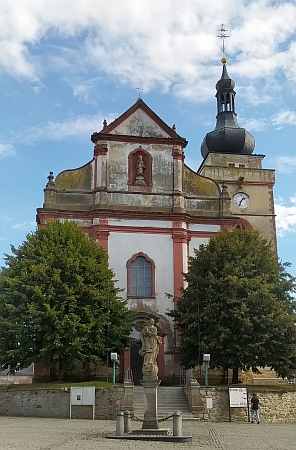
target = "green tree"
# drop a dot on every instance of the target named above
(238, 306)
(59, 303)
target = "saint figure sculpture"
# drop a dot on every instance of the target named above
(140, 167)
(150, 348)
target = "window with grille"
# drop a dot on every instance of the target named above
(140, 278)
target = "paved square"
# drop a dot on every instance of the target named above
(64, 434)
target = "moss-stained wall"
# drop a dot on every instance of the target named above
(80, 178)
(56, 403)
(276, 406)
(198, 186)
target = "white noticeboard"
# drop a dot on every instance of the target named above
(209, 402)
(238, 397)
(83, 396)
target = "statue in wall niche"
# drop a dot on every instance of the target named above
(140, 167)
(150, 348)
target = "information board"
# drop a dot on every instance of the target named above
(238, 397)
(83, 396)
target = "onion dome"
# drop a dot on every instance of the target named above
(227, 137)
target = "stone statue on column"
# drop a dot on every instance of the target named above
(150, 382)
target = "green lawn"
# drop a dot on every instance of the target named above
(105, 385)
(56, 385)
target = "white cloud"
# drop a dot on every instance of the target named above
(7, 150)
(84, 89)
(284, 117)
(252, 124)
(56, 131)
(285, 217)
(255, 95)
(163, 43)
(286, 164)
(24, 226)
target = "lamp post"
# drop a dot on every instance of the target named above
(114, 359)
(206, 359)
(198, 330)
(108, 329)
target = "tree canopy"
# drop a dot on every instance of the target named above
(238, 306)
(58, 302)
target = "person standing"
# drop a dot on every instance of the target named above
(255, 409)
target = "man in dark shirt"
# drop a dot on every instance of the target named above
(255, 409)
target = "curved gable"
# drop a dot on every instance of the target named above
(78, 179)
(195, 185)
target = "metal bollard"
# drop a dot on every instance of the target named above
(177, 423)
(120, 424)
(127, 422)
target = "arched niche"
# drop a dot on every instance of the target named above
(136, 182)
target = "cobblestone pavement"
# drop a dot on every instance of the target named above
(23, 433)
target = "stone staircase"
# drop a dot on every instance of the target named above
(170, 399)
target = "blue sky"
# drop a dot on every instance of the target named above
(67, 65)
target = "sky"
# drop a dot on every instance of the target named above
(68, 64)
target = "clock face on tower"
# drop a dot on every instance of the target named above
(241, 200)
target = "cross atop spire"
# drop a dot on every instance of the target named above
(140, 89)
(222, 35)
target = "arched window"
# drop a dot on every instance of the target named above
(244, 224)
(140, 276)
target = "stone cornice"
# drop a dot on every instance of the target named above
(99, 137)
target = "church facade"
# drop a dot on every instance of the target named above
(139, 200)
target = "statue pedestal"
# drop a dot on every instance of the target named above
(150, 385)
(140, 179)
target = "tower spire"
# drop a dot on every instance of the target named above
(225, 91)
(227, 137)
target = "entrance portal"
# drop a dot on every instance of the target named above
(136, 363)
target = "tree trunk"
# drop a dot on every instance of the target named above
(225, 374)
(53, 373)
(235, 375)
(60, 371)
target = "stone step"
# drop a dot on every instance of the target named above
(166, 404)
(189, 416)
(169, 400)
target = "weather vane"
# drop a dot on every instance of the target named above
(222, 35)
(140, 89)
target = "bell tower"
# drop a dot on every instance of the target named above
(228, 159)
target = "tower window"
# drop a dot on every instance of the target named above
(236, 165)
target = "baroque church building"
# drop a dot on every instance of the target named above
(139, 200)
